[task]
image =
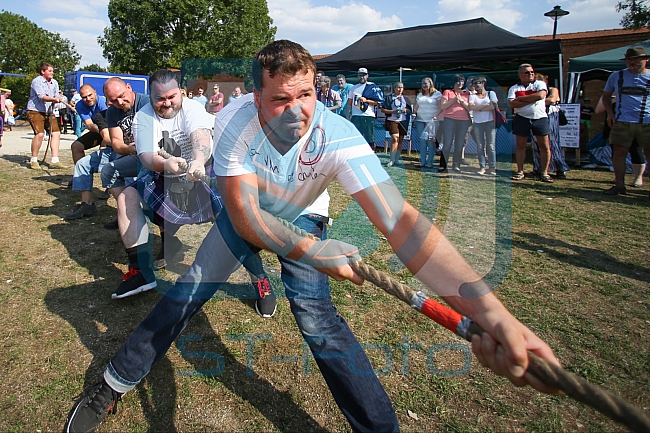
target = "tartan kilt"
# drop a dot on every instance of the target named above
(154, 190)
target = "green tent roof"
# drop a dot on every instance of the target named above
(607, 60)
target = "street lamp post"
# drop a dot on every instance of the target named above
(556, 14)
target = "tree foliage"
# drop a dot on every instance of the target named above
(637, 13)
(153, 34)
(93, 67)
(24, 46)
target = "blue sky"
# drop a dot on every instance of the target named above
(325, 27)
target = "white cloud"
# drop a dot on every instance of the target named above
(81, 22)
(86, 45)
(327, 29)
(73, 9)
(88, 23)
(502, 13)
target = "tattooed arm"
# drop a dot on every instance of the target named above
(201, 152)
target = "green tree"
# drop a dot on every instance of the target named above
(93, 67)
(153, 34)
(637, 13)
(24, 46)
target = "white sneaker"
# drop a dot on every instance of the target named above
(481, 171)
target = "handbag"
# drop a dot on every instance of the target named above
(562, 120)
(499, 118)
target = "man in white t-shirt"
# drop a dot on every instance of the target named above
(275, 154)
(362, 111)
(528, 100)
(183, 129)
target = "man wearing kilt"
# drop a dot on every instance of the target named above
(164, 192)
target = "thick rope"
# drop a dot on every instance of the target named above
(183, 166)
(552, 375)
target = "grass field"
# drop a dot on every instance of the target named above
(570, 262)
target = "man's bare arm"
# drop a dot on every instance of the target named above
(201, 152)
(117, 141)
(609, 107)
(265, 231)
(106, 137)
(433, 260)
(90, 125)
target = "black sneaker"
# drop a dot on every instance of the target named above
(134, 283)
(93, 405)
(111, 225)
(616, 190)
(104, 195)
(173, 247)
(82, 210)
(265, 305)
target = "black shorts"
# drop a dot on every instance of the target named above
(523, 127)
(90, 140)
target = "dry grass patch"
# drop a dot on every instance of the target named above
(570, 262)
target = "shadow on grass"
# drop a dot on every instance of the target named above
(588, 258)
(103, 325)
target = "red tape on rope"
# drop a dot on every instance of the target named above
(442, 315)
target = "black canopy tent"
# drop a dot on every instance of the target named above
(468, 44)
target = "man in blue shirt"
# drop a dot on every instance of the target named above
(201, 98)
(89, 106)
(630, 118)
(92, 110)
(344, 89)
(74, 116)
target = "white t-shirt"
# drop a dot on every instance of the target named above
(536, 110)
(293, 184)
(428, 106)
(148, 127)
(483, 116)
(355, 93)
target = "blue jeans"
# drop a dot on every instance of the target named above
(116, 173)
(427, 147)
(341, 360)
(454, 132)
(82, 179)
(484, 135)
(76, 124)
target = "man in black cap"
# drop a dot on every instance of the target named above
(630, 117)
